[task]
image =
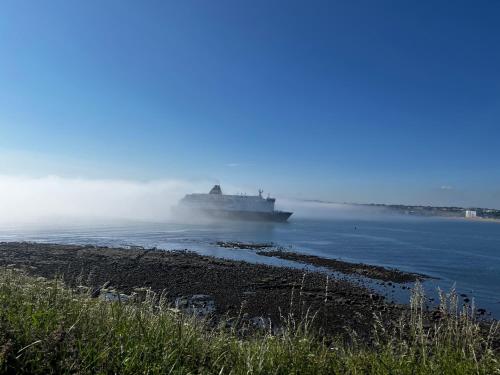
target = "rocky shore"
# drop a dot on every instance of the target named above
(236, 288)
(366, 270)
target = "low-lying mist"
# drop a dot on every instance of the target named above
(328, 210)
(55, 200)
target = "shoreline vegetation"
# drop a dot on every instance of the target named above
(86, 309)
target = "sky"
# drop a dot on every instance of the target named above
(345, 101)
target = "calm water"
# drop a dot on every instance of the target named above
(454, 251)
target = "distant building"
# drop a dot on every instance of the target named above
(470, 213)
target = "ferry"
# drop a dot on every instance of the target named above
(240, 207)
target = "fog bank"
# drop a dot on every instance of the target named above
(329, 210)
(55, 199)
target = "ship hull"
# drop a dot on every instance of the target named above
(276, 216)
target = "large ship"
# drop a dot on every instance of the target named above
(242, 207)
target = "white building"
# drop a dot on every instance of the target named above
(470, 213)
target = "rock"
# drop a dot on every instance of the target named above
(197, 304)
(113, 296)
(242, 245)
(97, 291)
(140, 294)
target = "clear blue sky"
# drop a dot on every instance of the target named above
(367, 101)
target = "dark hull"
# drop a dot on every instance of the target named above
(277, 216)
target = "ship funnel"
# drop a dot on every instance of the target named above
(216, 190)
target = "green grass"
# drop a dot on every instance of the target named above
(48, 328)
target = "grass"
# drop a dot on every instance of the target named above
(46, 327)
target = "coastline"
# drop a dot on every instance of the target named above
(483, 219)
(237, 287)
(471, 219)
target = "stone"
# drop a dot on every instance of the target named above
(113, 296)
(198, 304)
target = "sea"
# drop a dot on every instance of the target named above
(459, 254)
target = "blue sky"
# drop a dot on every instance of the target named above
(360, 101)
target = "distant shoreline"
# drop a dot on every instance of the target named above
(492, 214)
(475, 219)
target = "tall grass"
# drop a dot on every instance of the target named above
(48, 328)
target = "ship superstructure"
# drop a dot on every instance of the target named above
(235, 206)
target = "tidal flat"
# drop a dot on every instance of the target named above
(236, 287)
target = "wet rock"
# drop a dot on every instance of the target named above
(388, 275)
(242, 245)
(97, 291)
(113, 296)
(198, 304)
(140, 294)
